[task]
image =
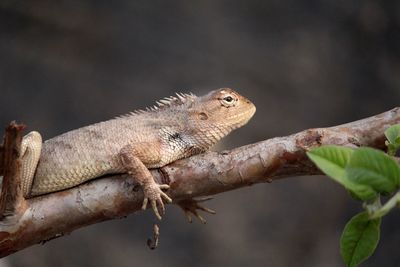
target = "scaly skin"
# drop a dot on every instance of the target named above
(178, 127)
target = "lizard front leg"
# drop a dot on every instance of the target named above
(133, 159)
(31, 147)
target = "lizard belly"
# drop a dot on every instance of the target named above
(56, 177)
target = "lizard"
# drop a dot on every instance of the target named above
(176, 127)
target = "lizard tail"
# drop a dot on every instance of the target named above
(30, 153)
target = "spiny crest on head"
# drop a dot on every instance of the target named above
(162, 104)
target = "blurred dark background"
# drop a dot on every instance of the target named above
(66, 64)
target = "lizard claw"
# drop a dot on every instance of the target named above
(191, 206)
(153, 193)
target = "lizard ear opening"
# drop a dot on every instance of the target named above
(203, 116)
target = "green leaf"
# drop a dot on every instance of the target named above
(393, 134)
(359, 239)
(332, 160)
(374, 168)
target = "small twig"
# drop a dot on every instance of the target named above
(11, 194)
(153, 243)
(1, 159)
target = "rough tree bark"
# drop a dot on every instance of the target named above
(43, 218)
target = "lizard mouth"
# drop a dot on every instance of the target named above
(243, 118)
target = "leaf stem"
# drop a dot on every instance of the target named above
(390, 204)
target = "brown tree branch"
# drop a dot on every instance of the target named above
(56, 214)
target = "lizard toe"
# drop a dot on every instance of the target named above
(166, 197)
(155, 209)
(188, 217)
(161, 205)
(164, 186)
(144, 205)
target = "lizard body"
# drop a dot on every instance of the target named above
(178, 127)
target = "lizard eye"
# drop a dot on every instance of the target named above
(228, 101)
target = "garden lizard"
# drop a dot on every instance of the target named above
(177, 127)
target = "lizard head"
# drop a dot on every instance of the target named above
(217, 113)
(224, 107)
(205, 119)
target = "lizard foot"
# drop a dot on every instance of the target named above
(191, 206)
(153, 193)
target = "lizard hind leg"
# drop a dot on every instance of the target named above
(30, 154)
(191, 206)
